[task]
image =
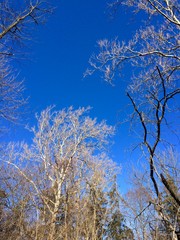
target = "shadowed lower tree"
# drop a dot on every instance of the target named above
(117, 229)
(171, 211)
(147, 219)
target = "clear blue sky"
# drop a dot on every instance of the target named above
(58, 56)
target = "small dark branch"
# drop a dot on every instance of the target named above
(34, 19)
(162, 81)
(173, 70)
(142, 211)
(164, 99)
(172, 94)
(158, 125)
(6, 54)
(152, 175)
(153, 96)
(160, 117)
(141, 120)
(167, 96)
(170, 190)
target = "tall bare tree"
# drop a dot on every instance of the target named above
(153, 53)
(68, 178)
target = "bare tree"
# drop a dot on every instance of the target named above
(68, 176)
(16, 21)
(11, 93)
(148, 218)
(154, 55)
(16, 205)
(153, 45)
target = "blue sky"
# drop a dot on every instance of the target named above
(54, 75)
(57, 58)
